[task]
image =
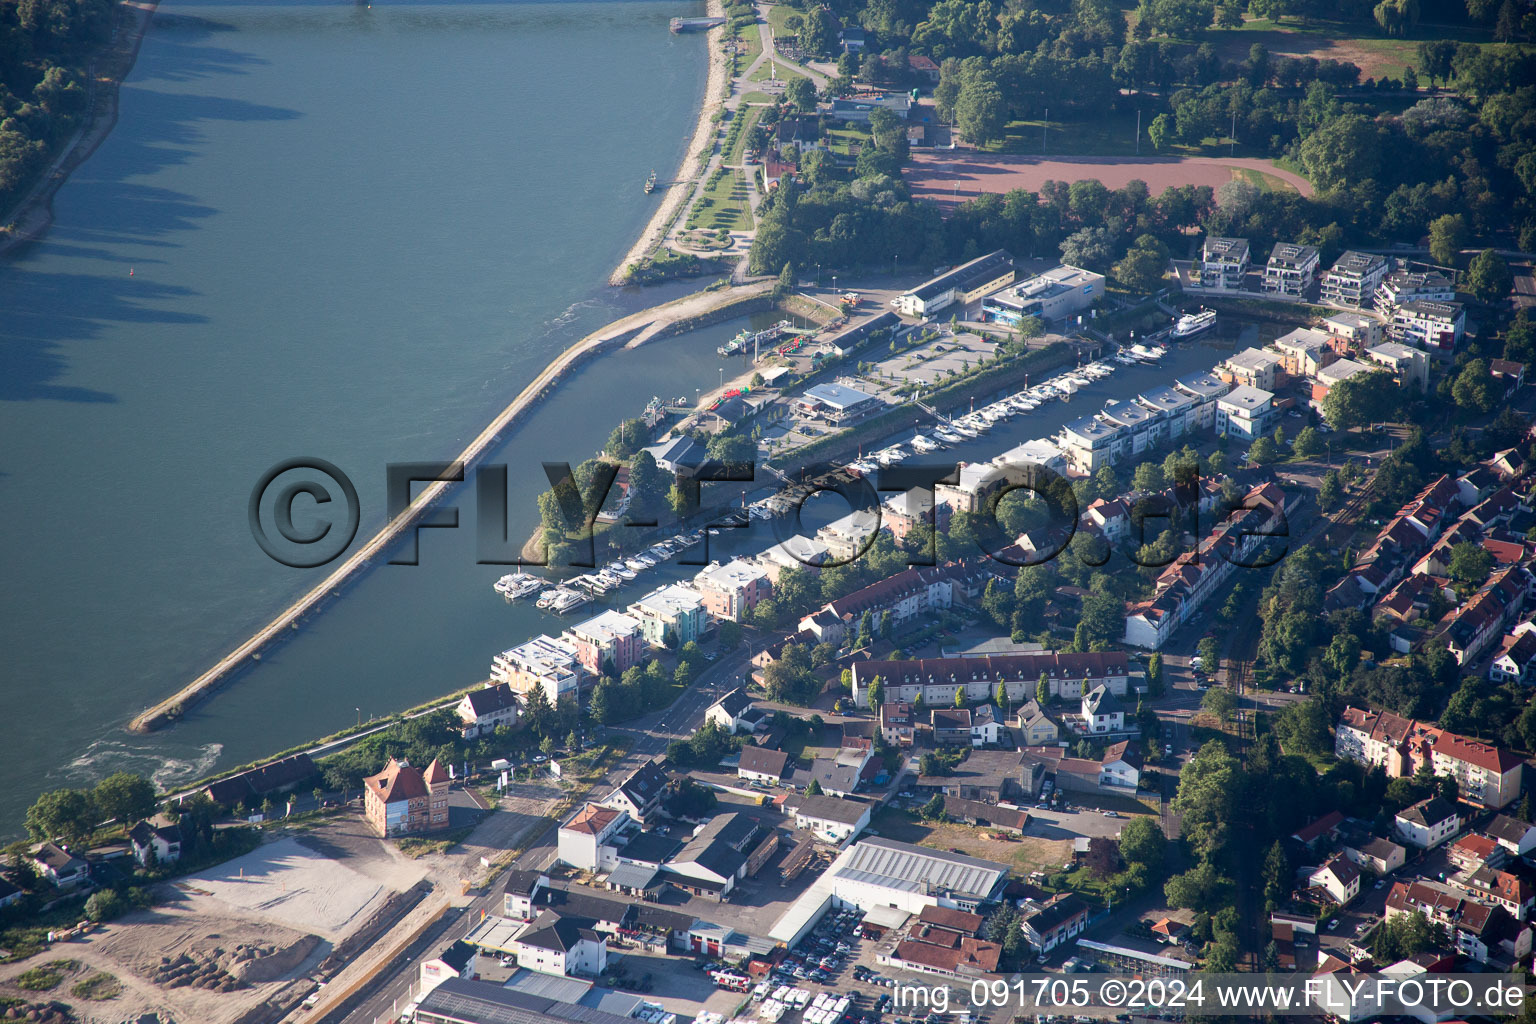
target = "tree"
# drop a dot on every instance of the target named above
(1263, 451)
(1488, 276)
(1089, 248)
(801, 93)
(1308, 444)
(1148, 477)
(1102, 624)
(959, 696)
(1344, 150)
(1141, 270)
(933, 810)
(980, 111)
(1219, 701)
(1330, 493)
(626, 438)
(1470, 564)
(124, 797)
(1142, 842)
(1447, 235)
(1277, 873)
(1360, 399)
(876, 692)
(1474, 388)
(1159, 130)
(817, 34)
(1001, 697)
(104, 905)
(813, 788)
(1042, 691)
(65, 814)
(728, 637)
(787, 277)
(1209, 654)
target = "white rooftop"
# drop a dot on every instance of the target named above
(1302, 339)
(1343, 369)
(670, 601)
(607, 626)
(542, 653)
(1246, 398)
(738, 572)
(1253, 359)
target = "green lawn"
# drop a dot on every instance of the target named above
(757, 97)
(777, 15)
(747, 117)
(1356, 41)
(843, 140)
(724, 204)
(752, 37)
(1265, 182)
(1110, 135)
(774, 69)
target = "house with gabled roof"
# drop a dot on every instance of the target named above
(403, 800)
(1428, 823)
(485, 710)
(641, 793)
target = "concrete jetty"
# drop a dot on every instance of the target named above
(649, 324)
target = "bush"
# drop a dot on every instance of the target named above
(41, 979)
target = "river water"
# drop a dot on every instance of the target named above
(340, 231)
(327, 229)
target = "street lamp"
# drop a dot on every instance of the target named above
(359, 716)
(722, 377)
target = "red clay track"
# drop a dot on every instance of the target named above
(947, 177)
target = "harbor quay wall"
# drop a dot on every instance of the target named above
(649, 323)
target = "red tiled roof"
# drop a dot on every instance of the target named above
(398, 781)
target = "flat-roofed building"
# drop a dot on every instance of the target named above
(1205, 388)
(1090, 443)
(1174, 407)
(1246, 412)
(544, 663)
(1138, 427)
(1429, 325)
(1291, 268)
(973, 482)
(1353, 278)
(798, 552)
(674, 609)
(1402, 286)
(1253, 367)
(962, 285)
(732, 590)
(1034, 453)
(847, 536)
(1360, 328)
(1223, 262)
(1303, 351)
(837, 403)
(609, 638)
(1053, 295)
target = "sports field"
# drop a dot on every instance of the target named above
(950, 177)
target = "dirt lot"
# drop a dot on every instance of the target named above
(936, 175)
(1030, 853)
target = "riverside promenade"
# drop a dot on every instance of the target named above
(637, 328)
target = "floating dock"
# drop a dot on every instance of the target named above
(695, 24)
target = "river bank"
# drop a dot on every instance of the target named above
(699, 149)
(34, 214)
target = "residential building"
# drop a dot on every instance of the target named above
(487, 709)
(951, 727)
(759, 764)
(1381, 857)
(719, 855)
(1409, 366)
(1245, 412)
(1404, 286)
(522, 892)
(1205, 388)
(903, 512)
(838, 404)
(1291, 269)
(1359, 328)
(832, 819)
(553, 944)
(1054, 922)
(1339, 878)
(974, 481)
(1353, 279)
(1178, 411)
(1036, 728)
(1332, 375)
(1253, 367)
(1428, 823)
(848, 536)
(1303, 351)
(991, 776)
(1120, 768)
(678, 456)
(674, 611)
(962, 285)
(543, 663)
(402, 800)
(903, 597)
(859, 109)
(60, 867)
(590, 839)
(1102, 711)
(1437, 326)
(966, 958)
(608, 643)
(1223, 262)
(1517, 837)
(457, 961)
(1139, 427)
(641, 793)
(1513, 663)
(1090, 443)
(897, 727)
(733, 589)
(1486, 775)
(155, 841)
(735, 713)
(10, 895)
(936, 680)
(837, 776)
(1054, 295)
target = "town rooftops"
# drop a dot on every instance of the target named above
(1092, 428)
(670, 601)
(995, 668)
(1166, 400)
(833, 808)
(553, 932)
(1252, 359)
(398, 781)
(967, 275)
(1507, 828)
(1430, 309)
(592, 819)
(831, 776)
(734, 703)
(260, 781)
(1349, 321)
(837, 396)
(908, 868)
(1291, 255)
(1248, 398)
(521, 882)
(1205, 385)
(479, 1002)
(763, 761)
(490, 699)
(1428, 813)
(956, 920)
(1100, 701)
(644, 784)
(56, 857)
(1358, 264)
(1302, 339)
(606, 627)
(1226, 250)
(1318, 828)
